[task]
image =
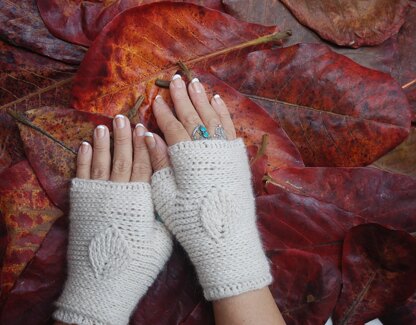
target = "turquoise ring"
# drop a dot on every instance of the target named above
(200, 132)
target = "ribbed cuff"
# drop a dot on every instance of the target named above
(204, 144)
(88, 184)
(234, 289)
(72, 317)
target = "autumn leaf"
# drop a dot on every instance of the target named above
(146, 43)
(28, 214)
(336, 112)
(21, 25)
(351, 23)
(27, 80)
(389, 260)
(79, 21)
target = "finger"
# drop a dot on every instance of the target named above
(142, 168)
(101, 158)
(84, 160)
(184, 108)
(172, 129)
(123, 150)
(202, 105)
(158, 151)
(222, 111)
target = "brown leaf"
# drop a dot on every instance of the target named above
(401, 159)
(145, 43)
(27, 80)
(336, 112)
(21, 25)
(28, 215)
(79, 21)
(351, 23)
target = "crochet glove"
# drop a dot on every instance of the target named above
(116, 249)
(206, 201)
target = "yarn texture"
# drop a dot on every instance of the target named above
(116, 249)
(206, 200)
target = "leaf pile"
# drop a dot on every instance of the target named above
(326, 115)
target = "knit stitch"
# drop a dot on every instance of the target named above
(116, 249)
(206, 201)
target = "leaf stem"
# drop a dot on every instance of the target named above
(132, 113)
(23, 119)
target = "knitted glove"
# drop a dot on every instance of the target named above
(116, 249)
(207, 202)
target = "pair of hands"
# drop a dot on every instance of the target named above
(139, 152)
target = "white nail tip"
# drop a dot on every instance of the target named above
(176, 76)
(119, 116)
(194, 80)
(139, 124)
(85, 143)
(148, 134)
(216, 96)
(101, 127)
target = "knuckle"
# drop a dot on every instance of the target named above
(121, 166)
(142, 169)
(160, 161)
(173, 125)
(121, 140)
(192, 120)
(99, 172)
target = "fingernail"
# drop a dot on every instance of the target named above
(217, 99)
(150, 139)
(100, 131)
(85, 146)
(196, 85)
(120, 121)
(177, 81)
(159, 99)
(139, 129)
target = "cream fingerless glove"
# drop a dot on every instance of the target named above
(116, 249)
(206, 201)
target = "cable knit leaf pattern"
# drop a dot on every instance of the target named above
(109, 253)
(217, 206)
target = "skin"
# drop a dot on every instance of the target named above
(138, 153)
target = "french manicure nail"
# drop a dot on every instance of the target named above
(100, 131)
(217, 98)
(150, 139)
(120, 121)
(139, 129)
(159, 99)
(177, 81)
(196, 85)
(85, 146)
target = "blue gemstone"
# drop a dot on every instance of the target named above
(202, 128)
(205, 134)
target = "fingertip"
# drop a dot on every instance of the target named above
(158, 151)
(84, 159)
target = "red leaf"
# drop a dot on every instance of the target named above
(21, 24)
(146, 43)
(288, 220)
(32, 298)
(376, 196)
(305, 286)
(351, 23)
(378, 273)
(79, 21)
(27, 80)
(28, 214)
(338, 121)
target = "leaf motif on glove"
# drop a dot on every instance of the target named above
(109, 253)
(218, 212)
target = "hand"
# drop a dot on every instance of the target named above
(205, 199)
(116, 247)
